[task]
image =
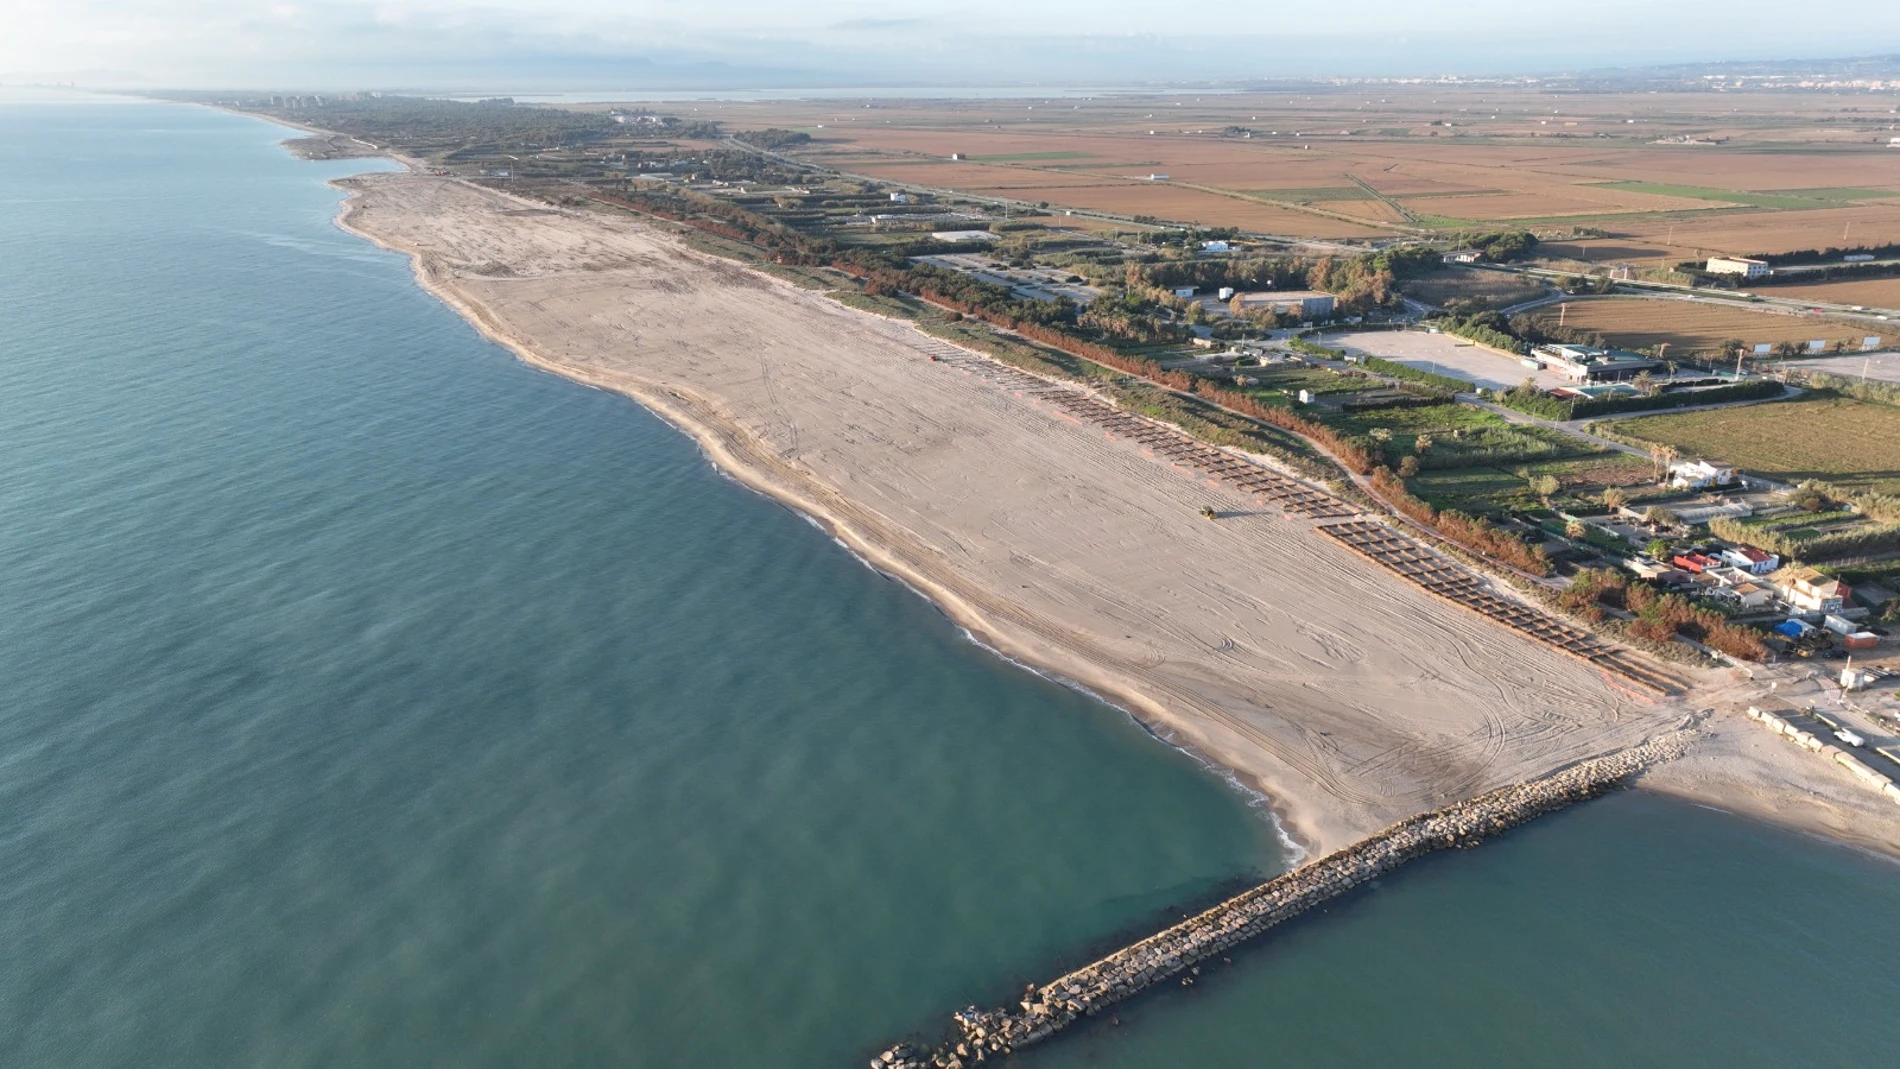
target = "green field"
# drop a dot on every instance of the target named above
(1835, 439)
(1463, 436)
(1784, 198)
(1303, 196)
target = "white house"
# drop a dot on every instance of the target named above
(1699, 475)
(1751, 560)
(1215, 246)
(1810, 591)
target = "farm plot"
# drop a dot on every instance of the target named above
(1835, 439)
(1694, 326)
(1490, 289)
(1883, 293)
(1754, 232)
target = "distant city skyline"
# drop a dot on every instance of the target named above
(600, 44)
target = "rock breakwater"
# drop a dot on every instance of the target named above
(1044, 1011)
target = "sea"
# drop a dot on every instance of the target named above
(368, 698)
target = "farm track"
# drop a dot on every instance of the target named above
(1410, 560)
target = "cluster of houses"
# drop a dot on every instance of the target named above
(1816, 609)
(1755, 583)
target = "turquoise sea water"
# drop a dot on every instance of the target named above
(367, 698)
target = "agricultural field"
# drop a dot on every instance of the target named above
(1849, 443)
(1791, 170)
(1882, 293)
(1694, 326)
(1449, 436)
(1477, 289)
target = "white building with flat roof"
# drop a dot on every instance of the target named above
(1307, 304)
(1738, 265)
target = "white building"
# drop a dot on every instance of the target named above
(1699, 475)
(1307, 304)
(1738, 265)
(1215, 246)
(1751, 560)
(960, 236)
(1810, 591)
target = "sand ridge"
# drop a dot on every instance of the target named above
(1348, 697)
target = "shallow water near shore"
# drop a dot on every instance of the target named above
(372, 699)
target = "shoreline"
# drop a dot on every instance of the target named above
(1298, 810)
(711, 440)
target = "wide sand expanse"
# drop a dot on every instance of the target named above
(1348, 697)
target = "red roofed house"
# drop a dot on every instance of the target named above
(1695, 563)
(1751, 560)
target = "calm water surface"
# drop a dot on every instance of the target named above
(371, 699)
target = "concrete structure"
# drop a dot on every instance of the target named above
(1751, 560)
(1215, 246)
(962, 236)
(1810, 591)
(1307, 304)
(1738, 265)
(1645, 568)
(1583, 363)
(1463, 256)
(1184, 291)
(1052, 1007)
(1700, 475)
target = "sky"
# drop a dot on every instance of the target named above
(580, 44)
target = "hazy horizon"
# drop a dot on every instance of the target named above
(592, 44)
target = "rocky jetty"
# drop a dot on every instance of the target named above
(1044, 1011)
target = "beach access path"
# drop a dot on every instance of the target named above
(1347, 696)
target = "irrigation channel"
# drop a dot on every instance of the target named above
(1045, 1011)
(1379, 543)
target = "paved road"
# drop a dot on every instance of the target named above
(1757, 301)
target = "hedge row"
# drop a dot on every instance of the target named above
(1543, 405)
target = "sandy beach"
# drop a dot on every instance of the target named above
(1346, 696)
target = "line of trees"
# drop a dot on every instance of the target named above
(1660, 617)
(1527, 398)
(1824, 544)
(1472, 532)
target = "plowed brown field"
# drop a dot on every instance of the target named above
(1637, 322)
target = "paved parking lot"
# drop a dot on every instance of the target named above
(1882, 366)
(1444, 354)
